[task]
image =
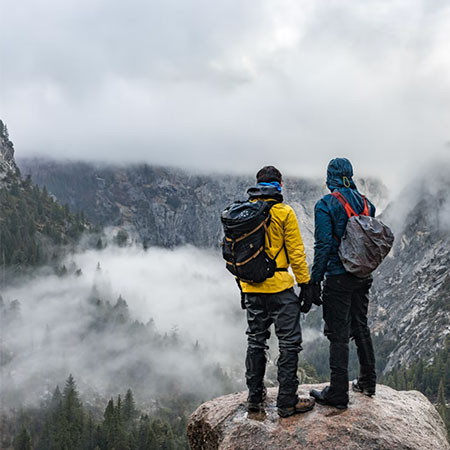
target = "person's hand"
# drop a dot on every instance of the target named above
(315, 291)
(305, 298)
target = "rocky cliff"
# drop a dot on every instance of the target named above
(411, 297)
(168, 207)
(390, 420)
(7, 162)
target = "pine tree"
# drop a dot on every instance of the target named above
(121, 438)
(89, 440)
(163, 434)
(73, 413)
(22, 440)
(129, 409)
(109, 423)
(121, 238)
(54, 433)
(118, 412)
(71, 401)
(441, 404)
(56, 401)
(99, 245)
(146, 436)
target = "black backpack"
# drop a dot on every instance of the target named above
(245, 225)
(366, 241)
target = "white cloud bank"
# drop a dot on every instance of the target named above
(67, 326)
(229, 85)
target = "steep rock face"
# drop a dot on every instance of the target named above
(7, 162)
(160, 206)
(390, 420)
(411, 298)
(168, 207)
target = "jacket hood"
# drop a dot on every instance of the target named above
(260, 191)
(339, 174)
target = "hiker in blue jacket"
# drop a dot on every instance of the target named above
(345, 296)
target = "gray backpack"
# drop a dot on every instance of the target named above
(366, 240)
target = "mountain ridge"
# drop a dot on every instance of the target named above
(412, 286)
(34, 228)
(169, 207)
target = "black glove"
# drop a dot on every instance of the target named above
(305, 297)
(315, 292)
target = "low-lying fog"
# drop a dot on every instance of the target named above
(183, 318)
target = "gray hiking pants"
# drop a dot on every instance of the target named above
(283, 310)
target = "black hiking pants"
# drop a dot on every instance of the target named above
(345, 305)
(283, 310)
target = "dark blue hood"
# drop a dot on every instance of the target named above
(330, 219)
(339, 174)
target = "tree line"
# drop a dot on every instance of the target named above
(64, 423)
(432, 379)
(32, 223)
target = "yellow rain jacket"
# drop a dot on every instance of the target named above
(283, 233)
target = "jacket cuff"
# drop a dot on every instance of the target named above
(303, 280)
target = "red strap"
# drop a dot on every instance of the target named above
(366, 207)
(348, 209)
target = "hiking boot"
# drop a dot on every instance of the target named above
(357, 387)
(321, 398)
(303, 405)
(253, 406)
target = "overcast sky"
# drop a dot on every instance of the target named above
(229, 85)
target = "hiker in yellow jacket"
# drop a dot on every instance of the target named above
(274, 301)
(282, 234)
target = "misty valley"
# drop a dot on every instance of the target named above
(118, 317)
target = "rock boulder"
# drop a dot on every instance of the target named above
(391, 420)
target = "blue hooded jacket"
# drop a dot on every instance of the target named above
(330, 219)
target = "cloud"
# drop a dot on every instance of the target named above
(76, 324)
(183, 318)
(230, 84)
(423, 204)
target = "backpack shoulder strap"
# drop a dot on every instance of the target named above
(343, 201)
(366, 211)
(272, 203)
(348, 209)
